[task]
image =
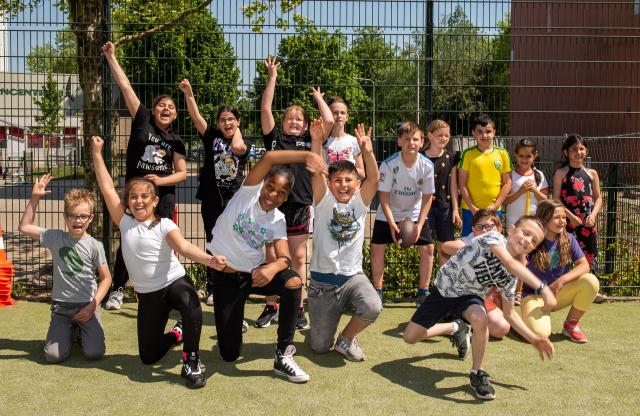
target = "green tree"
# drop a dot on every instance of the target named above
(495, 77)
(50, 105)
(59, 57)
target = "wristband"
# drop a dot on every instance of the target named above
(538, 291)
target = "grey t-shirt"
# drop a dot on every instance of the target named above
(474, 270)
(74, 265)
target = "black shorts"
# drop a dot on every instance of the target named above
(436, 306)
(441, 224)
(298, 217)
(382, 234)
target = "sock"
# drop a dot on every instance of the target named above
(178, 333)
(473, 371)
(571, 323)
(273, 306)
(190, 356)
(455, 328)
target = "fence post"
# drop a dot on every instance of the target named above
(106, 123)
(612, 204)
(429, 61)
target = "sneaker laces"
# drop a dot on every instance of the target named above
(286, 359)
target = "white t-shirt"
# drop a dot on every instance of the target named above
(474, 270)
(244, 228)
(518, 208)
(338, 235)
(151, 263)
(405, 185)
(343, 148)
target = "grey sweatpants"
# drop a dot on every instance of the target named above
(63, 330)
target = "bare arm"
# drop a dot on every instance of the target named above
(325, 111)
(372, 175)
(425, 206)
(543, 345)
(109, 193)
(177, 242)
(318, 180)
(266, 117)
(463, 176)
(264, 274)
(360, 166)
(28, 224)
(284, 157)
(386, 210)
(238, 146)
(87, 312)
(130, 97)
(504, 190)
(179, 172)
(455, 215)
(590, 221)
(192, 107)
(580, 267)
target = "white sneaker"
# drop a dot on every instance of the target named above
(285, 366)
(210, 300)
(115, 299)
(350, 350)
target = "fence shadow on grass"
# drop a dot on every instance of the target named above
(33, 349)
(424, 380)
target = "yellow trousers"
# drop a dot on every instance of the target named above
(578, 293)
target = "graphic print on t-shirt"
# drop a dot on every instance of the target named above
(225, 163)
(255, 235)
(71, 259)
(343, 226)
(491, 272)
(152, 160)
(331, 156)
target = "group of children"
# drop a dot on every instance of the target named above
(257, 231)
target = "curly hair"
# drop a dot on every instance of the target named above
(541, 258)
(77, 196)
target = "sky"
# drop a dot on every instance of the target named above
(400, 18)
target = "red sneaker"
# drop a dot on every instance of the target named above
(571, 330)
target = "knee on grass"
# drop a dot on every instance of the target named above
(54, 356)
(94, 353)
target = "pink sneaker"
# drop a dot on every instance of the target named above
(571, 330)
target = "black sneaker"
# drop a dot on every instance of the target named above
(270, 313)
(481, 385)
(302, 322)
(461, 338)
(285, 366)
(194, 374)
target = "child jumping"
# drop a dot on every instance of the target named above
(488, 261)
(406, 191)
(160, 281)
(75, 306)
(338, 282)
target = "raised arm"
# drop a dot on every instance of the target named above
(313, 162)
(109, 193)
(325, 111)
(318, 180)
(370, 184)
(266, 116)
(192, 107)
(130, 97)
(28, 224)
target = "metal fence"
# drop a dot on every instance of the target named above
(541, 69)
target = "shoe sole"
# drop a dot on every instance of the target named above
(348, 357)
(577, 341)
(302, 326)
(293, 379)
(112, 308)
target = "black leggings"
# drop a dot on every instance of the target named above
(165, 209)
(230, 292)
(153, 314)
(210, 212)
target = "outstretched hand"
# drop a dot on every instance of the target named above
(185, 87)
(272, 65)
(364, 139)
(316, 130)
(109, 49)
(96, 144)
(40, 187)
(544, 347)
(315, 165)
(316, 93)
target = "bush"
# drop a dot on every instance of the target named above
(198, 275)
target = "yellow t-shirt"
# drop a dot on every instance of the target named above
(484, 174)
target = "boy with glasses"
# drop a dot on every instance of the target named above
(75, 296)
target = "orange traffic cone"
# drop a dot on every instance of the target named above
(6, 276)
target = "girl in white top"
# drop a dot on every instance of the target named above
(340, 145)
(148, 245)
(528, 187)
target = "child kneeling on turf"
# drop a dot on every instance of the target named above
(488, 261)
(338, 281)
(75, 306)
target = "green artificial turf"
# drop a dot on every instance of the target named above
(600, 377)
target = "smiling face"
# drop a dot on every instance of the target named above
(228, 124)
(294, 123)
(164, 112)
(78, 218)
(274, 192)
(484, 136)
(141, 200)
(484, 225)
(524, 237)
(343, 185)
(439, 138)
(576, 155)
(340, 114)
(525, 156)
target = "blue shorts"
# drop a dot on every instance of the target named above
(436, 306)
(467, 221)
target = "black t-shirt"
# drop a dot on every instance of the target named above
(223, 170)
(442, 167)
(150, 150)
(274, 140)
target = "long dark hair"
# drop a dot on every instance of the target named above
(571, 139)
(534, 149)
